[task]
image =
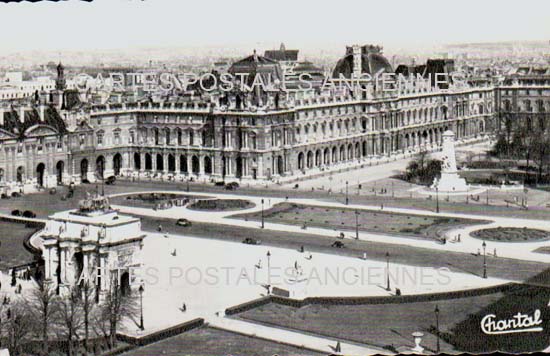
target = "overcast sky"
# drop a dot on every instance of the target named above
(112, 24)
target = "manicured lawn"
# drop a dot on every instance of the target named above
(392, 324)
(221, 205)
(511, 234)
(149, 200)
(207, 341)
(545, 249)
(12, 251)
(417, 226)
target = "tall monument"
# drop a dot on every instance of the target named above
(450, 181)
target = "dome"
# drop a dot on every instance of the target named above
(372, 62)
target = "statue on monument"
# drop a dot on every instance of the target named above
(450, 181)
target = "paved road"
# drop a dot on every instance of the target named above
(321, 344)
(458, 262)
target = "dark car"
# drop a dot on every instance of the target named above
(28, 214)
(251, 241)
(111, 180)
(85, 181)
(16, 212)
(337, 244)
(219, 184)
(232, 186)
(183, 222)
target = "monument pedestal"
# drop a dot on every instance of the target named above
(450, 181)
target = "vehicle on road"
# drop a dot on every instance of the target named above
(251, 241)
(337, 244)
(183, 222)
(232, 186)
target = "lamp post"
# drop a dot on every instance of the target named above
(268, 267)
(263, 225)
(187, 184)
(436, 311)
(437, 200)
(484, 245)
(356, 225)
(388, 287)
(141, 289)
(347, 197)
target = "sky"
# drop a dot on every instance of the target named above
(120, 24)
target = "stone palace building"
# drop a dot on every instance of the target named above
(263, 136)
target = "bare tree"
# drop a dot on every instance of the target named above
(43, 305)
(116, 307)
(87, 310)
(70, 318)
(19, 325)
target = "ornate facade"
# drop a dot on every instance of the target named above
(45, 145)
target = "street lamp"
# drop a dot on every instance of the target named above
(347, 198)
(268, 267)
(436, 311)
(263, 225)
(388, 288)
(437, 200)
(356, 225)
(484, 245)
(141, 289)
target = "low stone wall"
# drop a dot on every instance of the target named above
(298, 303)
(161, 334)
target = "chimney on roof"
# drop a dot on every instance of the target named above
(41, 109)
(357, 61)
(22, 114)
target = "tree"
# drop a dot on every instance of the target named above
(43, 305)
(70, 318)
(117, 307)
(422, 169)
(19, 325)
(87, 310)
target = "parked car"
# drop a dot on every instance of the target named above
(28, 214)
(110, 180)
(16, 212)
(85, 181)
(232, 186)
(219, 184)
(337, 244)
(183, 222)
(251, 241)
(15, 195)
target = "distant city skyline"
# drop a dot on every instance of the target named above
(246, 24)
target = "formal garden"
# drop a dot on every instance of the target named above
(344, 219)
(207, 341)
(390, 323)
(511, 234)
(220, 204)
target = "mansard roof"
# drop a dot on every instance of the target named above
(13, 124)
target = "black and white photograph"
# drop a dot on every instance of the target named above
(290, 178)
